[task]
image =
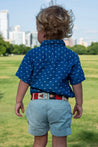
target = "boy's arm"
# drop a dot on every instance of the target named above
(22, 88)
(77, 89)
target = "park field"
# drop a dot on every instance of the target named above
(14, 130)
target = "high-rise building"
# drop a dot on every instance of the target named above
(82, 42)
(70, 42)
(4, 24)
(28, 39)
(16, 36)
(34, 38)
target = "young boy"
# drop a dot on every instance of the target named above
(49, 70)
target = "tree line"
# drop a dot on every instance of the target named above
(82, 50)
(7, 48)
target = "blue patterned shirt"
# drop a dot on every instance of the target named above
(51, 68)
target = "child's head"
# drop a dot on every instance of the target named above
(55, 22)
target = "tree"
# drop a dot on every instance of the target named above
(93, 48)
(2, 46)
(23, 49)
(9, 48)
(16, 49)
(20, 49)
(79, 49)
(35, 46)
(2, 50)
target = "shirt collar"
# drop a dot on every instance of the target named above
(51, 42)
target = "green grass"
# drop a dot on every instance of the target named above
(14, 130)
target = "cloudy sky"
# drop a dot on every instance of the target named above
(23, 12)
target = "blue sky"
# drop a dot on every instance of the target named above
(23, 12)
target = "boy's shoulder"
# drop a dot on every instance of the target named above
(70, 53)
(35, 54)
(33, 51)
(72, 56)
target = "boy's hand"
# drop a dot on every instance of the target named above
(79, 111)
(18, 107)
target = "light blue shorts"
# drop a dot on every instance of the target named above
(43, 115)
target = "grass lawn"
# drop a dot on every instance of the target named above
(14, 130)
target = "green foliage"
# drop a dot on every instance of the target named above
(82, 50)
(1, 38)
(6, 48)
(2, 46)
(20, 49)
(35, 46)
(2, 50)
(79, 49)
(93, 48)
(9, 48)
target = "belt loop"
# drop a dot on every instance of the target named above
(62, 97)
(43, 95)
(48, 96)
(33, 96)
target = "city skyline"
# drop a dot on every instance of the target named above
(86, 20)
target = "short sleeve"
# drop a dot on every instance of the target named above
(25, 69)
(76, 75)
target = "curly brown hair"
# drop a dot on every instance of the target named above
(56, 22)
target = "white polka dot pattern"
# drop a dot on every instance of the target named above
(51, 68)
